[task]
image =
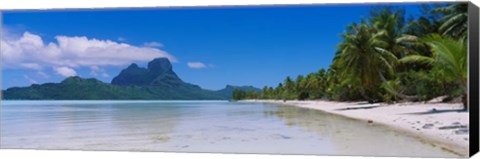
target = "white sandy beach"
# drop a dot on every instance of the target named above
(442, 124)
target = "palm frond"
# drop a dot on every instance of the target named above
(417, 59)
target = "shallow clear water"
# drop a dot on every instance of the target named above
(198, 126)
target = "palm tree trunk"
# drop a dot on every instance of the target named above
(364, 95)
(463, 86)
(395, 92)
(465, 101)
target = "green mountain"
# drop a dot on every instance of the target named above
(80, 88)
(158, 73)
(156, 82)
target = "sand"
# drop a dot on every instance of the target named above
(442, 124)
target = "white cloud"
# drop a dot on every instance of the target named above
(98, 72)
(153, 44)
(33, 66)
(196, 65)
(31, 52)
(65, 71)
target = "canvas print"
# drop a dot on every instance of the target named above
(351, 79)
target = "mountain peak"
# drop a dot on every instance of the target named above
(159, 72)
(160, 65)
(133, 65)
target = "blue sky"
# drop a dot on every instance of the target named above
(210, 47)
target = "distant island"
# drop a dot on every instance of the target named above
(156, 82)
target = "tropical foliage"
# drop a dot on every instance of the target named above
(390, 57)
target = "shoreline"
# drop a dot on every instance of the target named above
(441, 124)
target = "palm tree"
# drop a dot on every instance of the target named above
(264, 93)
(449, 57)
(420, 28)
(289, 86)
(391, 28)
(312, 82)
(278, 91)
(400, 40)
(359, 61)
(455, 20)
(300, 83)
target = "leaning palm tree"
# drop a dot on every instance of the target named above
(449, 57)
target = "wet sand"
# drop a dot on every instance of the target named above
(443, 124)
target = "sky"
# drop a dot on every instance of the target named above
(209, 47)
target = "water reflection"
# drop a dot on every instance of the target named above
(153, 120)
(203, 126)
(95, 126)
(353, 137)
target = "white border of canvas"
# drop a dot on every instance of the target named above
(64, 4)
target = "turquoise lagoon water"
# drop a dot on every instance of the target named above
(198, 126)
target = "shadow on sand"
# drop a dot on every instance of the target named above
(435, 111)
(369, 106)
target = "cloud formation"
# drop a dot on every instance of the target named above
(153, 44)
(196, 65)
(29, 51)
(98, 72)
(65, 71)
